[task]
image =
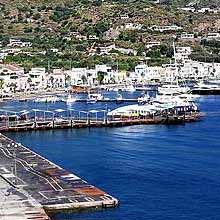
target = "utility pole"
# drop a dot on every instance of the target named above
(15, 163)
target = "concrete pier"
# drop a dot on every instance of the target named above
(50, 185)
(15, 204)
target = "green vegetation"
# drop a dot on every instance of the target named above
(66, 25)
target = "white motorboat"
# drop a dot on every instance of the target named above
(47, 99)
(129, 88)
(171, 89)
(70, 99)
(94, 97)
(119, 98)
(144, 98)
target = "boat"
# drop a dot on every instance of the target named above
(119, 98)
(173, 96)
(129, 88)
(144, 98)
(94, 97)
(171, 89)
(203, 85)
(47, 99)
(152, 108)
(70, 99)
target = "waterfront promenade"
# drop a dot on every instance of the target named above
(48, 184)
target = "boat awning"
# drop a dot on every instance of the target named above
(36, 110)
(94, 111)
(60, 110)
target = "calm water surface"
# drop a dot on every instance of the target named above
(157, 172)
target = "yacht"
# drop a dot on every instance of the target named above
(204, 86)
(181, 96)
(171, 89)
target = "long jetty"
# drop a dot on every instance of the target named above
(69, 122)
(51, 186)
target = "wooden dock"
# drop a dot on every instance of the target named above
(51, 186)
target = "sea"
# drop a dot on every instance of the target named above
(158, 172)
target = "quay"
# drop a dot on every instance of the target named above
(46, 183)
(15, 204)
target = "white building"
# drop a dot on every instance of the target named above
(18, 43)
(78, 76)
(213, 36)
(37, 78)
(132, 26)
(13, 78)
(182, 53)
(110, 74)
(56, 79)
(152, 44)
(187, 36)
(145, 73)
(165, 28)
(105, 49)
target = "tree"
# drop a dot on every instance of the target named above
(51, 81)
(100, 77)
(84, 79)
(67, 80)
(1, 86)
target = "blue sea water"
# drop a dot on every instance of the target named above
(156, 171)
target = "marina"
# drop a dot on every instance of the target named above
(55, 188)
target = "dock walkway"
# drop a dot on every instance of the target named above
(16, 205)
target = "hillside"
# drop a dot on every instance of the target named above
(77, 28)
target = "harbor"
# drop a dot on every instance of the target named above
(52, 187)
(173, 166)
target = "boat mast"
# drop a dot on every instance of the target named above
(175, 63)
